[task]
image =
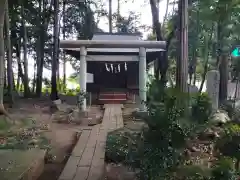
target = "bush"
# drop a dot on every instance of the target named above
(223, 170)
(160, 150)
(121, 147)
(70, 92)
(193, 172)
(228, 144)
(201, 107)
(171, 123)
(4, 124)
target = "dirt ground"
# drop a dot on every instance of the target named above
(62, 137)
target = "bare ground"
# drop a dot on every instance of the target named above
(62, 137)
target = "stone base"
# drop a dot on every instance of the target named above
(91, 121)
(77, 116)
(85, 118)
(139, 115)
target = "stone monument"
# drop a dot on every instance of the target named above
(213, 81)
(192, 89)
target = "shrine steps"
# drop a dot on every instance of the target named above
(112, 98)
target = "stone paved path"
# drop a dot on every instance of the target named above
(87, 159)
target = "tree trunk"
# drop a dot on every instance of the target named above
(222, 64)
(64, 53)
(182, 60)
(18, 54)
(25, 60)
(204, 71)
(155, 17)
(110, 16)
(166, 12)
(157, 31)
(9, 56)
(193, 63)
(208, 43)
(118, 15)
(2, 53)
(223, 86)
(54, 93)
(44, 22)
(40, 59)
(5, 77)
(2, 56)
(40, 49)
(34, 78)
(161, 64)
(18, 82)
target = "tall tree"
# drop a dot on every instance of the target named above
(194, 23)
(127, 24)
(118, 13)
(2, 56)
(182, 60)
(54, 93)
(9, 55)
(110, 16)
(162, 60)
(45, 13)
(25, 63)
(64, 37)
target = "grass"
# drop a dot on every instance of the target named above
(4, 125)
(22, 135)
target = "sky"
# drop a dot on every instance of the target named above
(139, 6)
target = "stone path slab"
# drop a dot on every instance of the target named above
(87, 159)
(21, 164)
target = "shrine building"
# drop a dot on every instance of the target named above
(118, 63)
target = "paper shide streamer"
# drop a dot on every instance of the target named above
(115, 68)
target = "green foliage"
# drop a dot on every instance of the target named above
(158, 150)
(170, 125)
(223, 170)
(193, 172)
(127, 24)
(71, 92)
(4, 125)
(122, 147)
(201, 107)
(26, 134)
(161, 146)
(116, 148)
(228, 144)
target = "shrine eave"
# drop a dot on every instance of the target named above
(115, 51)
(150, 55)
(112, 44)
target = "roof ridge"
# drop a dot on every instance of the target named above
(118, 33)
